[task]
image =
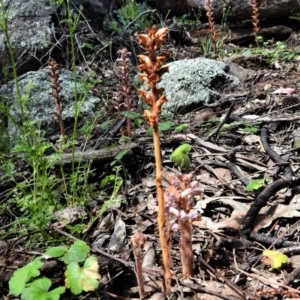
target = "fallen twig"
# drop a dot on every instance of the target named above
(271, 189)
(94, 155)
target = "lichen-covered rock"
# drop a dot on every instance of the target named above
(30, 31)
(31, 27)
(192, 82)
(38, 104)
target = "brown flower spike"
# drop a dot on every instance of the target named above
(151, 68)
(211, 23)
(255, 20)
(54, 72)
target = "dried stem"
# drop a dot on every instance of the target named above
(255, 20)
(53, 68)
(152, 69)
(138, 241)
(211, 23)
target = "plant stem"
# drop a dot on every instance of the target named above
(186, 248)
(152, 70)
(138, 241)
(162, 217)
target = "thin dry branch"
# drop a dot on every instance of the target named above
(92, 155)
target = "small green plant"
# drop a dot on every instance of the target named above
(81, 274)
(135, 117)
(275, 259)
(180, 156)
(245, 127)
(114, 182)
(251, 129)
(190, 19)
(256, 184)
(206, 46)
(181, 128)
(210, 122)
(132, 16)
(162, 127)
(272, 52)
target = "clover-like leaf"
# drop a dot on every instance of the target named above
(180, 156)
(39, 289)
(83, 279)
(77, 252)
(275, 258)
(21, 276)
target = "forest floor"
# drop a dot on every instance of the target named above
(234, 226)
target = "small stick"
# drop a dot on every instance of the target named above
(223, 121)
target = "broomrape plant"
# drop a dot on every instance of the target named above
(177, 200)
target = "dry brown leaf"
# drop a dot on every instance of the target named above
(224, 174)
(269, 214)
(266, 216)
(207, 178)
(295, 261)
(251, 139)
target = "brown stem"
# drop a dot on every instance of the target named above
(186, 233)
(138, 240)
(128, 104)
(186, 248)
(162, 217)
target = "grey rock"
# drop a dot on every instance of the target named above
(30, 32)
(38, 104)
(94, 11)
(192, 82)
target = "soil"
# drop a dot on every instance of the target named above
(233, 226)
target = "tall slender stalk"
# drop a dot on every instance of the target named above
(152, 69)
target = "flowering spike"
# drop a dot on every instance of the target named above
(151, 68)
